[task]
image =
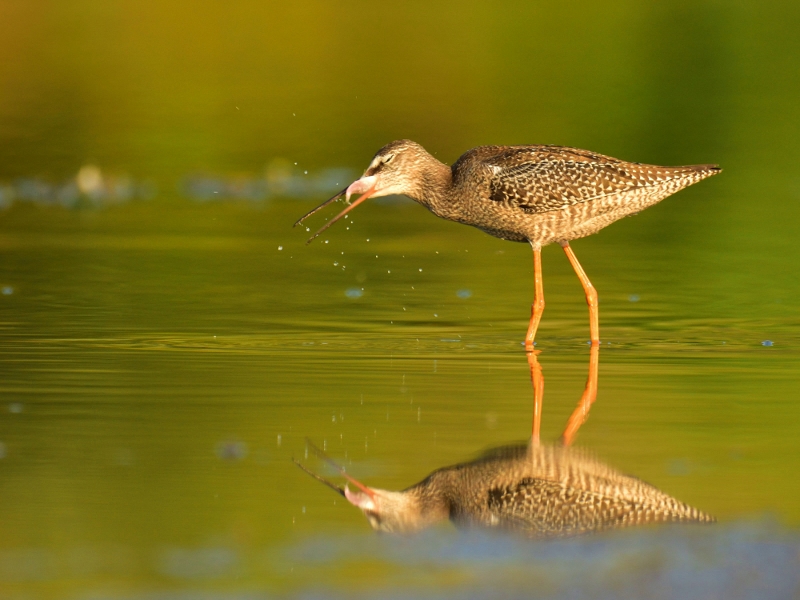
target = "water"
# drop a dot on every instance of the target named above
(165, 352)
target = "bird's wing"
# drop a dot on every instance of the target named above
(544, 178)
(542, 507)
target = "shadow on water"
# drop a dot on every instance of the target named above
(541, 491)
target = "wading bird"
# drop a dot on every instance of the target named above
(534, 194)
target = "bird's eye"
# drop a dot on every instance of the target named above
(387, 159)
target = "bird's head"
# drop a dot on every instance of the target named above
(395, 169)
(386, 511)
(391, 171)
(390, 512)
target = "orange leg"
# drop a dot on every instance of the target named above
(537, 381)
(537, 308)
(591, 294)
(581, 412)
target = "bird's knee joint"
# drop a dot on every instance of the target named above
(591, 297)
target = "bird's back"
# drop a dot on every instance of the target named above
(504, 188)
(545, 178)
(550, 491)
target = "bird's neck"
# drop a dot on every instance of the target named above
(433, 185)
(430, 503)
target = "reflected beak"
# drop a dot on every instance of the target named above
(367, 495)
(366, 186)
(320, 478)
(364, 501)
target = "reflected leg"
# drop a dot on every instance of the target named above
(537, 308)
(537, 381)
(581, 412)
(591, 293)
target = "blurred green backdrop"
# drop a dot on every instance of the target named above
(168, 341)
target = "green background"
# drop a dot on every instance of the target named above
(165, 352)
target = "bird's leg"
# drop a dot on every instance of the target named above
(537, 381)
(591, 294)
(581, 412)
(537, 308)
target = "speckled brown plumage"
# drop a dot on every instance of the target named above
(539, 491)
(546, 194)
(534, 194)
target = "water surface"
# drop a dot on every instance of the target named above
(168, 342)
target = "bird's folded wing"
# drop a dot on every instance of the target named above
(548, 507)
(544, 178)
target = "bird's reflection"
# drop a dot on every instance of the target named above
(539, 490)
(581, 412)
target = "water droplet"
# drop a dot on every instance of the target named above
(8, 290)
(464, 293)
(420, 270)
(767, 343)
(280, 247)
(633, 298)
(353, 293)
(335, 264)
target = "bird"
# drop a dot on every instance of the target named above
(538, 194)
(536, 490)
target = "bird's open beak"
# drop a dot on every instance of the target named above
(366, 494)
(364, 501)
(366, 186)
